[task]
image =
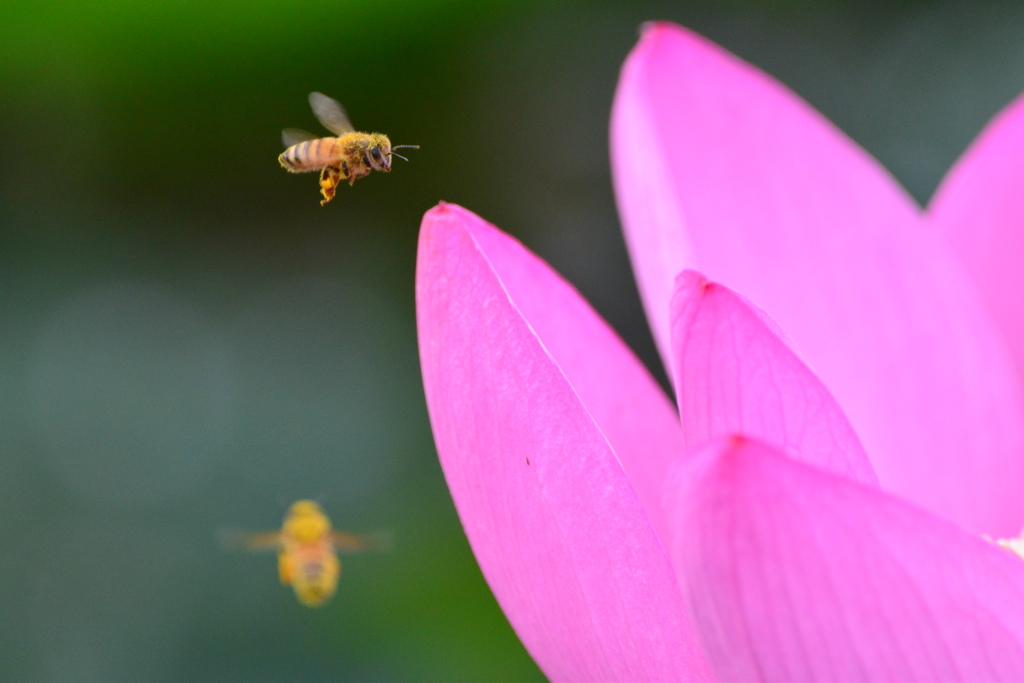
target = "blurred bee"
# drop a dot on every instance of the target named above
(307, 550)
(349, 156)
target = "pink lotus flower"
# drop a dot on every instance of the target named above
(746, 533)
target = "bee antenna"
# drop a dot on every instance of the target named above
(405, 147)
(399, 156)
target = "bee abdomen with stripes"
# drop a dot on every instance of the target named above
(309, 155)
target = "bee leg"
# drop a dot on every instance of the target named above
(330, 176)
(346, 174)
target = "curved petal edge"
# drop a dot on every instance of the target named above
(980, 207)
(557, 529)
(735, 374)
(628, 405)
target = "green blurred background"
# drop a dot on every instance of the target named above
(189, 342)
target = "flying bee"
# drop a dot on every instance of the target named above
(307, 550)
(350, 156)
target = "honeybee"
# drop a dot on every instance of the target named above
(350, 156)
(307, 550)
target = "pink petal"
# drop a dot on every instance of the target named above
(636, 417)
(734, 374)
(722, 169)
(980, 207)
(556, 527)
(794, 574)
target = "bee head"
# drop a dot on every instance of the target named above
(306, 521)
(379, 152)
(304, 507)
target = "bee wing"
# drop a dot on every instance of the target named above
(330, 114)
(293, 136)
(375, 541)
(233, 539)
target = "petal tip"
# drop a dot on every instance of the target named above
(447, 214)
(690, 282)
(442, 210)
(654, 28)
(659, 32)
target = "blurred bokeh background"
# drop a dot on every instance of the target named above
(189, 342)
